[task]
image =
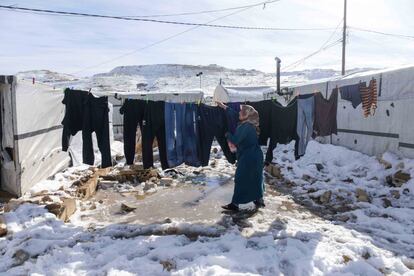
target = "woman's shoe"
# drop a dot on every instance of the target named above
(259, 203)
(230, 207)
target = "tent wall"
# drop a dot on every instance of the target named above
(37, 113)
(390, 129)
(227, 94)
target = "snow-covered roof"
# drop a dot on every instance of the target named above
(242, 93)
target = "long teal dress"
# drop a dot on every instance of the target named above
(248, 182)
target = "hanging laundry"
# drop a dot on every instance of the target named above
(283, 126)
(352, 93)
(306, 109)
(264, 109)
(233, 117)
(74, 101)
(369, 98)
(96, 119)
(88, 113)
(191, 148)
(212, 124)
(153, 127)
(325, 114)
(133, 112)
(174, 131)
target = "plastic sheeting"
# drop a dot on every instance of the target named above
(242, 94)
(390, 129)
(37, 134)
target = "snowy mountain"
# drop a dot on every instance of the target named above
(176, 77)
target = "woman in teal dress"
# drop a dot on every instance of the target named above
(248, 181)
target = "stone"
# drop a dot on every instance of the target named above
(127, 207)
(366, 255)
(387, 165)
(12, 205)
(3, 226)
(20, 257)
(213, 163)
(149, 186)
(88, 189)
(166, 181)
(319, 166)
(343, 218)
(362, 195)
(395, 194)
(168, 265)
(401, 178)
(62, 210)
(93, 206)
(46, 198)
(386, 203)
(325, 197)
(346, 258)
(215, 150)
(275, 171)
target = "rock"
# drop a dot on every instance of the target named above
(366, 255)
(215, 150)
(63, 210)
(213, 163)
(319, 166)
(20, 256)
(149, 185)
(386, 203)
(400, 165)
(166, 181)
(167, 220)
(40, 193)
(168, 265)
(46, 198)
(406, 191)
(88, 189)
(395, 194)
(346, 258)
(100, 201)
(127, 208)
(93, 206)
(3, 226)
(311, 190)
(362, 195)
(275, 171)
(12, 205)
(325, 197)
(387, 165)
(343, 218)
(400, 178)
(408, 262)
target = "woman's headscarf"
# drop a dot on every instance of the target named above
(252, 116)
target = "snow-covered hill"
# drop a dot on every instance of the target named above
(175, 77)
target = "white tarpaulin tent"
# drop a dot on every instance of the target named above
(228, 94)
(31, 133)
(391, 128)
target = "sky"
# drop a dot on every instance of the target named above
(85, 46)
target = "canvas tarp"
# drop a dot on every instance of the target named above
(227, 94)
(37, 134)
(390, 129)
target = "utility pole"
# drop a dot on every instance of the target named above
(344, 40)
(278, 61)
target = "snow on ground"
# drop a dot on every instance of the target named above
(285, 238)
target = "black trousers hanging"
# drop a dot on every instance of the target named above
(283, 127)
(134, 112)
(153, 126)
(212, 123)
(96, 119)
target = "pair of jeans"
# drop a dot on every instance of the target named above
(153, 126)
(174, 132)
(96, 119)
(191, 134)
(306, 109)
(134, 112)
(212, 124)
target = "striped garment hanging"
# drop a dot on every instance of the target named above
(369, 97)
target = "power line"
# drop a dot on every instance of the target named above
(54, 12)
(197, 12)
(160, 41)
(382, 33)
(323, 47)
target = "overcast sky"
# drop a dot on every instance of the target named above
(72, 44)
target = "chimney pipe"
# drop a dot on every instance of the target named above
(278, 61)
